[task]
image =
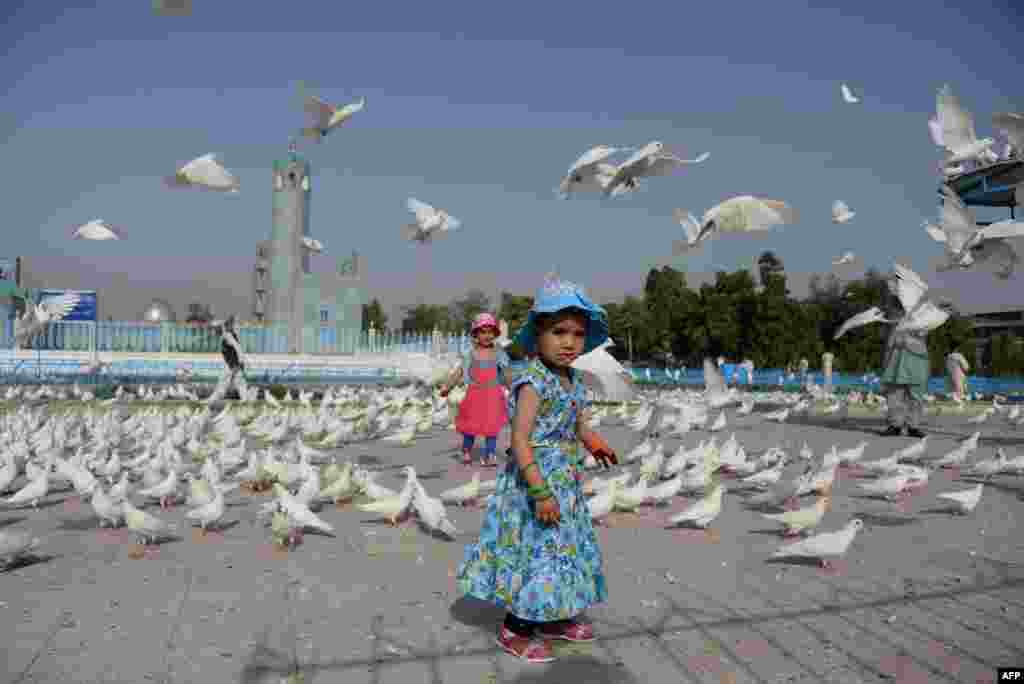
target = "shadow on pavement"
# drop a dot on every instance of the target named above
(577, 668)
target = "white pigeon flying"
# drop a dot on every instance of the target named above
(958, 134)
(97, 229)
(49, 310)
(692, 234)
(206, 172)
(650, 160)
(841, 213)
(590, 172)
(919, 313)
(604, 375)
(962, 237)
(327, 117)
(312, 245)
(848, 96)
(430, 222)
(744, 214)
(846, 258)
(872, 315)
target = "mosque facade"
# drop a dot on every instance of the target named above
(286, 292)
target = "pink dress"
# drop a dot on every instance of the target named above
(482, 412)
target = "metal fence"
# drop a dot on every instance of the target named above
(121, 336)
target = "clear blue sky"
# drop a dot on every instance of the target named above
(480, 108)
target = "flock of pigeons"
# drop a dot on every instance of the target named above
(122, 457)
(967, 244)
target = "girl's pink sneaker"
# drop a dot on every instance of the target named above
(567, 630)
(530, 650)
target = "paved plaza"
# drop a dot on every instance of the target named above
(922, 596)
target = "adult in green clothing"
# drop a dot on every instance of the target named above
(905, 380)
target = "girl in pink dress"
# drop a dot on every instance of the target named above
(485, 374)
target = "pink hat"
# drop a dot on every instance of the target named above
(484, 320)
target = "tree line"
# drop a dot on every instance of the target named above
(673, 324)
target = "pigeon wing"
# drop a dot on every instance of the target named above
(872, 315)
(1012, 125)
(957, 124)
(601, 372)
(1003, 229)
(666, 164)
(935, 130)
(592, 157)
(746, 214)
(909, 287)
(423, 211)
(935, 232)
(450, 223)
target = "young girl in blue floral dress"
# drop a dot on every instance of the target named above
(537, 555)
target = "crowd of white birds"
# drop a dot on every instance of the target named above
(136, 450)
(967, 243)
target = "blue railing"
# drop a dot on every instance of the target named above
(120, 336)
(779, 378)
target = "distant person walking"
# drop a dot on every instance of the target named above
(234, 358)
(747, 368)
(826, 369)
(957, 368)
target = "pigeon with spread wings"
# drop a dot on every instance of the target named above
(328, 117)
(97, 230)
(592, 171)
(604, 375)
(872, 315)
(958, 135)
(919, 313)
(430, 222)
(207, 172)
(743, 214)
(968, 243)
(649, 160)
(48, 311)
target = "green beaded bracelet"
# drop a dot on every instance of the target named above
(538, 491)
(531, 464)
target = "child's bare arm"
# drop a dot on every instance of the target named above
(527, 404)
(593, 441)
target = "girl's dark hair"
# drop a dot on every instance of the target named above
(544, 320)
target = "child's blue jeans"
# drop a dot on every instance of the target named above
(490, 444)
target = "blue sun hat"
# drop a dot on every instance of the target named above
(556, 295)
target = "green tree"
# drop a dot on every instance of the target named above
(956, 334)
(629, 322)
(462, 311)
(373, 313)
(669, 303)
(768, 264)
(1007, 355)
(424, 318)
(514, 310)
